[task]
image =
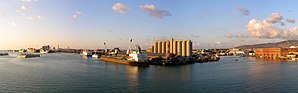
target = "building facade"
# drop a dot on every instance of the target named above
(274, 52)
(268, 52)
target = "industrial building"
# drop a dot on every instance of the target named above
(274, 52)
(179, 47)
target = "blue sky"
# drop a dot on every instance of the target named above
(89, 23)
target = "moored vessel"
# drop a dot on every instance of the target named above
(86, 53)
(28, 55)
(4, 54)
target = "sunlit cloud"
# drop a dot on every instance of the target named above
(268, 29)
(120, 8)
(77, 14)
(291, 20)
(243, 11)
(29, 0)
(229, 35)
(154, 11)
(275, 18)
(236, 36)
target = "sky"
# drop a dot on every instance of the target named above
(89, 23)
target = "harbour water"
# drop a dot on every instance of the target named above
(72, 73)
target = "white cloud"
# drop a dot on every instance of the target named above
(35, 18)
(120, 8)
(291, 20)
(154, 11)
(218, 42)
(77, 14)
(263, 29)
(25, 8)
(29, 0)
(267, 28)
(12, 23)
(2, 14)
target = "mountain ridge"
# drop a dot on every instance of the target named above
(286, 43)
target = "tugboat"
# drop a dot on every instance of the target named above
(28, 55)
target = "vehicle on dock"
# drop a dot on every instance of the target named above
(28, 55)
(4, 54)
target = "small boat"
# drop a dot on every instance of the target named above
(44, 51)
(28, 55)
(86, 53)
(22, 50)
(4, 54)
(95, 55)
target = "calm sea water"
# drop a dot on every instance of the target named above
(73, 73)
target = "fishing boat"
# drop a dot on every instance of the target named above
(28, 55)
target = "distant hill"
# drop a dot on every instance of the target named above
(287, 43)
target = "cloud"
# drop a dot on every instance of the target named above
(154, 11)
(77, 14)
(12, 23)
(229, 36)
(35, 18)
(267, 28)
(263, 29)
(29, 0)
(25, 8)
(291, 20)
(275, 18)
(243, 11)
(120, 8)
(195, 36)
(2, 14)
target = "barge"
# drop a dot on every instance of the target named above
(121, 60)
(25, 55)
(4, 54)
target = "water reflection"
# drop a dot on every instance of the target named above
(257, 79)
(132, 77)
